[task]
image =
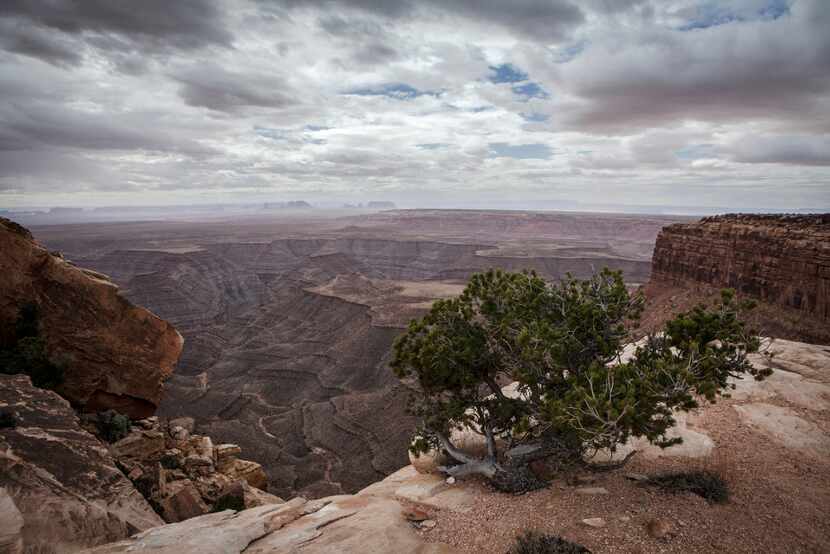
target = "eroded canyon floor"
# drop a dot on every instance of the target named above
(288, 322)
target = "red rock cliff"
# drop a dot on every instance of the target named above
(781, 260)
(118, 354)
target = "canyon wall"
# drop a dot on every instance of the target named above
(781, 260)
(116, 354)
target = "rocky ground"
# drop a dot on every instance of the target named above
(770, 442)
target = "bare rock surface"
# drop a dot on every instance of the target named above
(374, 521)
(59, 478)
(117, 354)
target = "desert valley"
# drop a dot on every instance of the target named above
(287, 325)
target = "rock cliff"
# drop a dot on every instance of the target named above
(782, 261)
(60, 489)
(117, 354)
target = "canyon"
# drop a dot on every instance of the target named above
(287, 328)
(288, 321)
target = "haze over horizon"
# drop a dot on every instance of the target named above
(632, 105)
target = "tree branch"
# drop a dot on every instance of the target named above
(457, 454)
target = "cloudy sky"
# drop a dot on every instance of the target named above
(522, 103)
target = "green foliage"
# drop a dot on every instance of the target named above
(562, 344)
(533, 542)
(706, 484)
(7, 420)
(28, 353)
(112, 426)
(229, 502)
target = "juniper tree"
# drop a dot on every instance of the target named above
(561, 344)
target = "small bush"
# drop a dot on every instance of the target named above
(28, 354)
(112, 426)
(706, 484)
(534, 542)
(7, 420)
(229, 502)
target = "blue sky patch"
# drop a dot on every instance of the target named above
(535, 151)
(270, 133)
(712, 15)
(535, 117)
(398, 91)
(507, 73)
(696, 151)
(530, 90)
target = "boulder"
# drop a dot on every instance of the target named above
(117, 354)
(61, 480)
(251, 472)
(139, 444)
(240, 493)
(226, 454)
(186, 423)
(184, 502)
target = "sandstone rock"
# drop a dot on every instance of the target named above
(226, 453)
(184, 501)
(11, 525)
(61, 479)
(414, 514)
(595, 522)
(201, 445)
(592, 491)
(138, 444)
(251, 472)
(225, 532)
(246, 495)
(198, 464)
(179, 433)
(780, 260)
(186, 423)
(369, 523)
(118, 354)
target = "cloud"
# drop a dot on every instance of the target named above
(183, 24)
(788, 149)
(520, 151)
(53, 48)
(536, 102)
(543, 20)
(221, 90)
(720, 73)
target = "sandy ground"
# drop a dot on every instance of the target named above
(780, 501)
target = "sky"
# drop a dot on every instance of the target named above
(548, 104)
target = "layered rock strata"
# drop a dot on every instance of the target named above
(117, 355)
(782, 260)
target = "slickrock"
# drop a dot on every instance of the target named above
(185, 476)
(372, 522)
(117, 354)
(60, 478)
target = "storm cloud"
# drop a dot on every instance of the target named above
(455, 102)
